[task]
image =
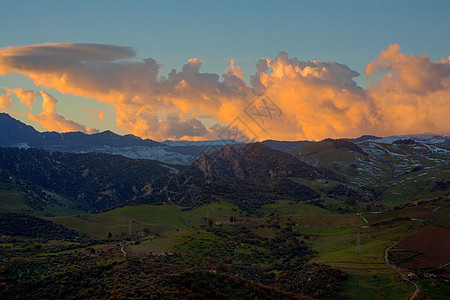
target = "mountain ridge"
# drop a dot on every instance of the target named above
(14, 133)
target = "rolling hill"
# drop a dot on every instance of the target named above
(392, 173)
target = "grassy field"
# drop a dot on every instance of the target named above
(440, 290)
(284, 207)
(415, 212)
(101, 225)
(157, 218)
(164, 214)
(216, 211)
(343, 241)
(412, 187)
(370, 277)
(11, 201)
(14, 201)
(328, 221)
(407, 173)
(347, 242)
(441, 214)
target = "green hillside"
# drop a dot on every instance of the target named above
(391, 174)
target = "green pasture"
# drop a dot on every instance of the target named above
(100, 225)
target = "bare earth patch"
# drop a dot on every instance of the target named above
(433, 242)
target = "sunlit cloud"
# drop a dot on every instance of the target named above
(299, 100)
(27, 97)
(412, 92)
(52, 121)
(5, 101)
(94, 113)
(101, 115)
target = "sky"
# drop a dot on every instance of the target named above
(248, 70)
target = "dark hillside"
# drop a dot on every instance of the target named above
(95, 181)
(249, 176)
(12, 224)
(257, 160)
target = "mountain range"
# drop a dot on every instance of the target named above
(14, 133)
(53, 173)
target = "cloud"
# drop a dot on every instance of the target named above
(412, 93)
(27, 97)
(52, 121)
(286, 98)
(317, 99)
(94, 113)
(101, 115)
(5, 101)
(234, 70)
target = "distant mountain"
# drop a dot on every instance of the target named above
(200, 143)
(14, 133)
(284, 145)
(363, 138)
(426, 138)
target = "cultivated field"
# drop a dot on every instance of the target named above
(433, 245)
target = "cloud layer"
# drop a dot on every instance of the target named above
(286, 99)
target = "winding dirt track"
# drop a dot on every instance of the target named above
(122, 248)
(413, 295)
(417, 288)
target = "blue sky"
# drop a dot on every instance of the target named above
(172, 32)
(349, 32)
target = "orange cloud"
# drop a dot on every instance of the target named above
(412, 92)
(27, 97)
(5, 101)
(52, 121)
(286, 98)
(94, 113)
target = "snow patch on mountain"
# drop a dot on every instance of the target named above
(426, 138)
